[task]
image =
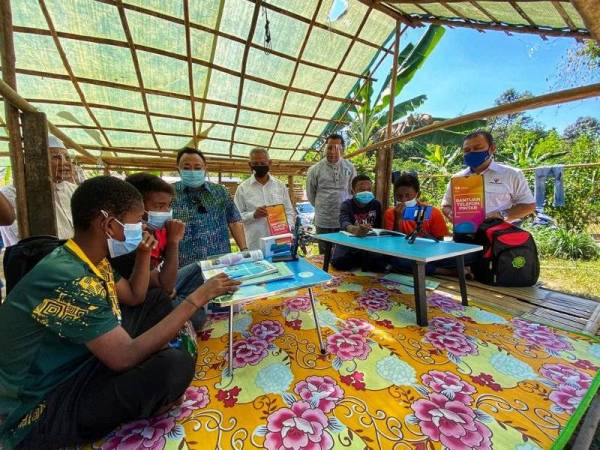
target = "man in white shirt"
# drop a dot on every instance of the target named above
(507, 194)
(256, 193)
(62, 175)
(328, 184)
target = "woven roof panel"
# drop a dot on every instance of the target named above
(126, 81)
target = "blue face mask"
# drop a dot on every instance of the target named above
(475, 159)
(157, 219)
(364, 197)
(193, 178)
(133, 237)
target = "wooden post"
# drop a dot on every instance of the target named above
(106, 170)
(7, 51)
(220, 177)
(39, 189)
(590, 13)
(385, 156)
(291, 190)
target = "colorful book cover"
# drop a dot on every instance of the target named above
(276, 245)
(277, 220)
(468, 203)
(244, 271)
(303, 275)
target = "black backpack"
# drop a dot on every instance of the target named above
(510, 256)
(20, 258)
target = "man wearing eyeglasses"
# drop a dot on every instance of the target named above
(207, 210)
(328, 184)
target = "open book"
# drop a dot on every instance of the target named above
(247, 267)
(376, 232)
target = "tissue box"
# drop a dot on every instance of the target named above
(280, 244)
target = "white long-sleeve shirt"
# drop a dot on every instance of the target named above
(62, 202)
(250, 195)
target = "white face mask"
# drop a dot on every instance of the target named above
(411, 203)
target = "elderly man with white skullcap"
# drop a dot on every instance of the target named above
(61, 172)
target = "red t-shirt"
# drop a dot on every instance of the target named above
(157, 255)
(434, 226)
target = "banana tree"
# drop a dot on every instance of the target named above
(525, 154)
(439, 159)
(372, 113)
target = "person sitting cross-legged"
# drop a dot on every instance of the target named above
(72, 366)
(358, 215)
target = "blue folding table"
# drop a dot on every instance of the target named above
(420, 253)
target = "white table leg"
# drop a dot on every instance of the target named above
(314, 309)
(230, 365)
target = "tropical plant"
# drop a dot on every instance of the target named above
(372, 112)
(438, 159)
(583, 125)
(524, 152)
(565, 244)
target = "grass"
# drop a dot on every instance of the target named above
(573, 277)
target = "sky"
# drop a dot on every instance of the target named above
(468, 70)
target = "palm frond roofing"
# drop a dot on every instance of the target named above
(143, 76)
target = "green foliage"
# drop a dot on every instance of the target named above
(565, 244)
(439, 160)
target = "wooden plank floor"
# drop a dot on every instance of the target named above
(534, 303)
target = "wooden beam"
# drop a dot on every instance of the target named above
(590, 13)
(291, 193)
(153, 114)
(326, 27)
(40, 193)
(567, 95)
(69, 70)
(255, 14)
(219, 33)
(394, 14)
(11, 96)
(159, 92)
(561, 11)
(383, 168)
(484, 26)
(342, 61)
(138, 72)
(200, 62)
(188, 51)
(295, 71)
(455, 1)
(9, 79)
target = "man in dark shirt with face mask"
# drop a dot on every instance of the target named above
(358, 215)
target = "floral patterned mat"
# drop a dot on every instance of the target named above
(472, 379)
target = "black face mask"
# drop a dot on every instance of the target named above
(260, 171)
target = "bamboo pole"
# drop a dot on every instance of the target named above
(385, 157)
(590, 13)
(153, 114)
(12, 97)
(554, 98)
(9, 79)
(208, 101)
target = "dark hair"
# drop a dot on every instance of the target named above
(189, 151)
(146, 183)
(105, 193)
(486, 134)
(336, 136)
(408, 180)
(361, 177)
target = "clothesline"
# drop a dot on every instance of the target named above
(528, 169)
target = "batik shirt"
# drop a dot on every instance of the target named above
(45, 322)
(207, 213)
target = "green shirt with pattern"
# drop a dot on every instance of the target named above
(62, 303)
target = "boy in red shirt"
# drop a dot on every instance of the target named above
(164, 264)
(407, 190)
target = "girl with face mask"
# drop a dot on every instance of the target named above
(406, 194)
